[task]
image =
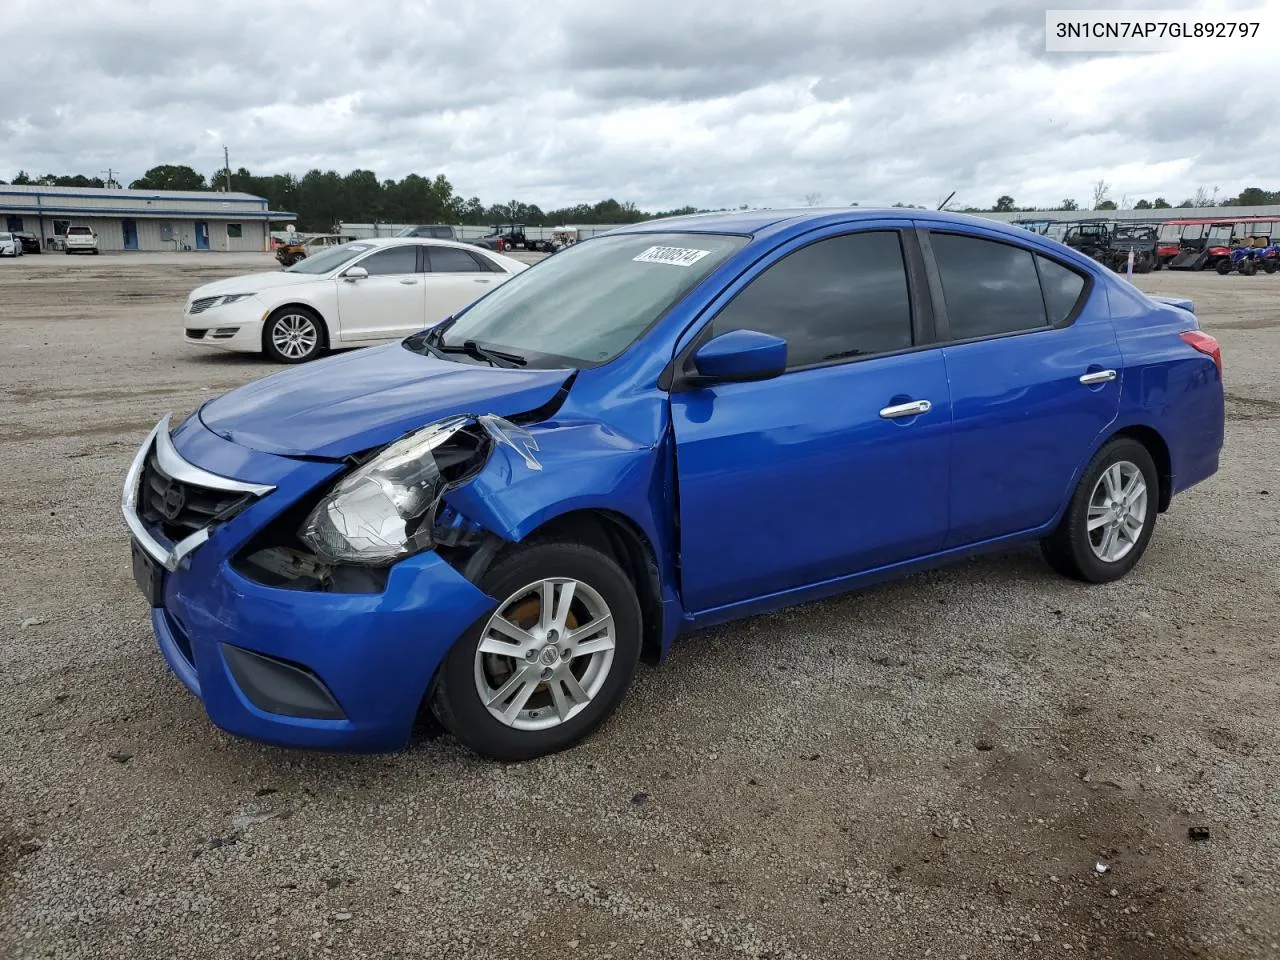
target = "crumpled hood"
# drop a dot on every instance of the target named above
(354, 401)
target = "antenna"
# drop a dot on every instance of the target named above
(943, 204)
(226, 165)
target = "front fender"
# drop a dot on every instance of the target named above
(581, 465)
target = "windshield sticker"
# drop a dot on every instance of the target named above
(674, 256)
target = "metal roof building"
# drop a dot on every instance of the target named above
(141, 219)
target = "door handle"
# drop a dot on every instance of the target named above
(1098, 376)
(481, 279)
(912, 409)
(408, 282)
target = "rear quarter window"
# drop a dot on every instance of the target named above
(990, 288)
(1063, 288)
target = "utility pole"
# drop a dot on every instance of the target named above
(226, 165)
(111, 180)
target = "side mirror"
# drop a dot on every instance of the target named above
(353, 274)
(740, 356)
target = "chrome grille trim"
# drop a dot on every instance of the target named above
(173, 464)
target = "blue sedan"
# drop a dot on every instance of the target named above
(673, 425)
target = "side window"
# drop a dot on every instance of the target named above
(234, 231)
(392, 261)
(990, 288)
(451, 260)
(1062, 288)
(832, 300)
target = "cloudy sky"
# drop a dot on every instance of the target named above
(662, 102)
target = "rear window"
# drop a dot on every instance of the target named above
(990, 288)
(78, 231)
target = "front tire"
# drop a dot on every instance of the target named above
(294, 335)
(553, 660)
(1111, 516)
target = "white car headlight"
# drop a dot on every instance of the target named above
(385, 509)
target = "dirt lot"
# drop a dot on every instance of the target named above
(931, 768)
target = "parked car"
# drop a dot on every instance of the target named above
(669, 426)
(80, 240)
(10, 246)
(295, 248)
(436, 231)
(30, 242)
(345, 296)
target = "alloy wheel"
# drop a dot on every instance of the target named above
(545, 654)
(1117, 511)
(295, 336)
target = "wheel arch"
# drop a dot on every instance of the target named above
(1158, 447)
(620, 537)
(325, 333)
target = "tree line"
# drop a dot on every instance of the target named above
(323, 198)
(1102, 200)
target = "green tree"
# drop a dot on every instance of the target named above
(1253, 197)
(1142, 205)
(170, 177)
(22, 180)
(1068, 204)
(1106, 205)
(1161, 204)
(1004, 205)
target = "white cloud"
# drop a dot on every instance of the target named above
(717, 103)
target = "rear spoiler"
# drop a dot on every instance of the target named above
(1182, 302)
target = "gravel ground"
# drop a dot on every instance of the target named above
(930, 768)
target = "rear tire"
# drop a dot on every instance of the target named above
(479, 694)
(1107, 499)
(1269, 266)
(1248, 268)
(294, 335)
(1224, 267)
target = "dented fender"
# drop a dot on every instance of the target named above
(579, 466)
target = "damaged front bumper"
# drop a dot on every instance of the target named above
(317, 668)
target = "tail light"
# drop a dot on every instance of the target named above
(1199, 340)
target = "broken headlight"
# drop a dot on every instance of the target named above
(385, 509)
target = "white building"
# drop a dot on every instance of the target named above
(142, 219)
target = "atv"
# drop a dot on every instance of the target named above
(1140, 239)
(1249, 260)
(1090, 237)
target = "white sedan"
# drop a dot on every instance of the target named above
(349, 296)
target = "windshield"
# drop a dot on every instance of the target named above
(1193, 231)
(1221, 231)
(330, 259)
(5, 236)
(589, 303)
(1171, 231)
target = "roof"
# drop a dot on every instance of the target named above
(123, 194)
(754, 221)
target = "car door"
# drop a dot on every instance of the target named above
(840, 464)
(1035, 373)
(455, 278)
(389, 302)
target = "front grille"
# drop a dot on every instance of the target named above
(193, 334)
(203, 304)
(179, 509)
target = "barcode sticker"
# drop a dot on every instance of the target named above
(674, 256)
